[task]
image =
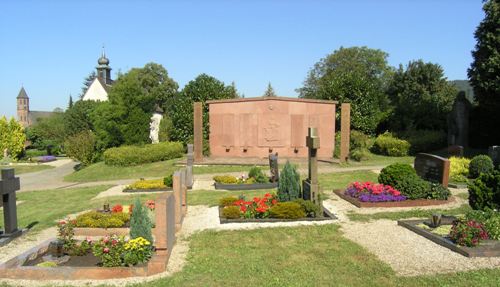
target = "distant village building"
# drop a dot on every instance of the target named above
(98, 90)
(26, 116)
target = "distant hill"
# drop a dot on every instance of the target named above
(463, 85)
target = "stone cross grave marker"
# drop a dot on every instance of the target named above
(433, 168)
(8, 186)
(310, 186)
(273, 166)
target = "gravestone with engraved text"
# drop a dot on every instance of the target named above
(432, 168)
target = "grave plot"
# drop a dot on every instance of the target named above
(107, 253)
(450, 233)
(256, 179)
(290, 203)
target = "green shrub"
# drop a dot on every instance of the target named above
(289, 210)
(133, 155)
(359, 140)
(413, 187)
(360, 154)
(438, 191)
(34, 153)
(484, 192)
(225, 179)
(336, 151)
(231, 212)
(467, 233)
(227, 201)
(480, 164)
(289, 183)
(459, 169)
(310, 209)
(387, 144)
(392, 174)
(82, 147)
(425, 140)
(168, 180)
(489, 218)
(140, 224)
(256, 173)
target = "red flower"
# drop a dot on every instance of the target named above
(105, 250)
(267, 195)
(256, 199)
(243, 208)
(274, 201)
(117, 208)
(62, 222)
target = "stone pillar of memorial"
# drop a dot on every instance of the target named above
(345, 131)
(310, 186)
(198, 131)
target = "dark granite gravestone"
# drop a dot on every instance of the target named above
(8, 186)
(273, 166)
(310, 186)
(433, 168)
(494, 153)
(458, 121)
(456, 150)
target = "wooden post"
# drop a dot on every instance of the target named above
(198, 131)
(345, 131)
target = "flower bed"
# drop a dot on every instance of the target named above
(466, 237)
(373, 192)
(269, 209)
(45, 158)
(404, 203)
(151, 185)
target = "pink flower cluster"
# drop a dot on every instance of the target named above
(375, 188)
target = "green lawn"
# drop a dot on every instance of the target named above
(340, 180)
(380, 160)
(419, 213)
(100, 171)
(27, 168)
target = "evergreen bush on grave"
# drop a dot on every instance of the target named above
(289, 183)
(140, 224)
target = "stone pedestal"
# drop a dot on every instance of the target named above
(345, 131)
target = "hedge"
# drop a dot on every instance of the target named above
(133, 155)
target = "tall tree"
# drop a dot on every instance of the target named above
(421, 96)
(78, 117)
(201, 89)
(358, 75)
(269, 91)
(126, 116)
(12, 137)
(70, 104)
(484, 74)
(87, 82)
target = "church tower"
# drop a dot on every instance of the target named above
(103, 69)
(23, 108)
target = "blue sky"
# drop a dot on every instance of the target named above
(51, 46)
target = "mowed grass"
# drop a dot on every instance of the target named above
(45, 207)
(299, 256)
(340, 180)
(380, 160)
(414, 213)
(19, 169)
(102, 172)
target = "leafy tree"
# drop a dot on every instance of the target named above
(358, 75)
(47, 132)
(77, 118)
(87, 82)
(269, 91)
(180, 110)
(126, 116)
(12, 137)
(484, 73)
(421, 96)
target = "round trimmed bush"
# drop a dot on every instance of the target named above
(231, 212)
(227, 201)
(288, 210)
(480, 164)
(413, 187)
(392, 174)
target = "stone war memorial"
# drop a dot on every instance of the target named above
(256, 127)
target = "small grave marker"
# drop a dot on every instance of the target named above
(310, 186)
(432, 168)
(8, 186)
(273, 166)
(456, 150)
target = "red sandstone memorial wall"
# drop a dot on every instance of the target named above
(254, 127)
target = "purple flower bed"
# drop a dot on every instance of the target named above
(46, 158)
(371, 192)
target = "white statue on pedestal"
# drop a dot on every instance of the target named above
(154, 127)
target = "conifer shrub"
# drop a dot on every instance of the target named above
(480, 164)
(257, 174)
(289, 183)
(140, 224)
(287, 210)
(231, 212)
(484, 192)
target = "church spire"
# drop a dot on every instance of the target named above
(103, 68)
